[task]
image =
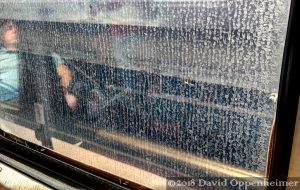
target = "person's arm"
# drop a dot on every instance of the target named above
(66, 77)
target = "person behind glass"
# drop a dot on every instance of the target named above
(9, 66)
(9, 62)
(66, 77)
(81, 96)
(75, 90)
(83, 99)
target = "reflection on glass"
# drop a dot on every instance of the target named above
(162, 85)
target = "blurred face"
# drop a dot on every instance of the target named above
(10, 37)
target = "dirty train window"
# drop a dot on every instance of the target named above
(145, 89)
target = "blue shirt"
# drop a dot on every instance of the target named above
(57, 59)
(9, 75)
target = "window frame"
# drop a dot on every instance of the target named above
(288, 97)
(57, 167)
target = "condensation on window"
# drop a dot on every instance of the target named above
(173, 87)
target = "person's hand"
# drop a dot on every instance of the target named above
(71, 100)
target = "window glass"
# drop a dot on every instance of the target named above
(157, 87)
